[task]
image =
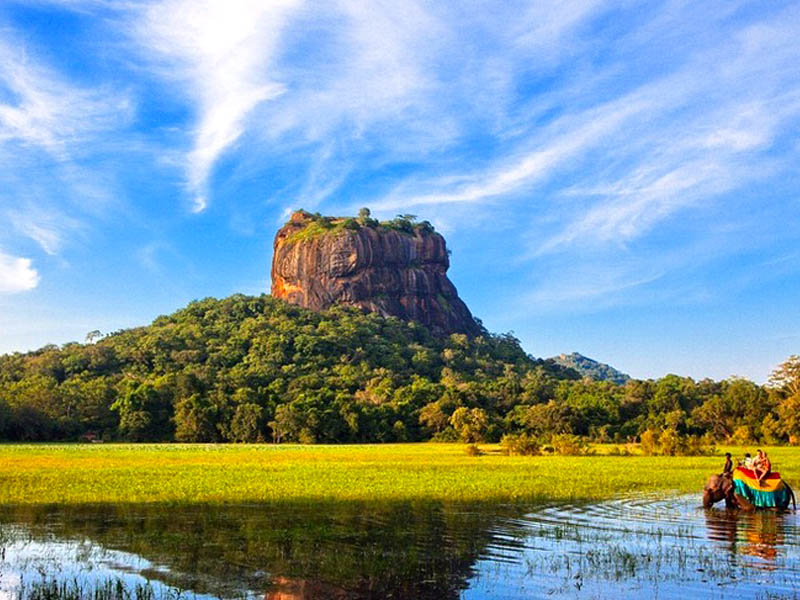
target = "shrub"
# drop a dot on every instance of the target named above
(473, 450)
(567, 444)
(351, 223)
(446, 435)
(519, 445)
(649, 443)
(695, 445)
(669, 442)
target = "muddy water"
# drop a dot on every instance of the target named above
(642, 547)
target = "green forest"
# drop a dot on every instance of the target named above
(249, 369)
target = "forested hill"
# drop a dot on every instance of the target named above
(248, 368)
(589, 367)
(257, 368)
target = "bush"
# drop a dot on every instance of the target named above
(649, 443)
(473, 450)
(567, 444)
(352, 224)
(668, 442)
(695, 445)
(446, 435)
(519, 445)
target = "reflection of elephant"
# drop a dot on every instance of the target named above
(760, 534)
(719, 487)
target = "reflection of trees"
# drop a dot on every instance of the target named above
(756, 534)
(290, 551)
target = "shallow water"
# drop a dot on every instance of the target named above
(640, 547)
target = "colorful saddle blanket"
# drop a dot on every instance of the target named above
(770, 493)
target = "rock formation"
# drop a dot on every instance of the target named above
(396, 269)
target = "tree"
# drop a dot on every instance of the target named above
(135, 425)
(432, 416)
(194, 420)
(786, 376)
(93, 335)
(290, 424)
(364, 214)
(246, 423)
(144, 413)
(470, 424)
(789, 417)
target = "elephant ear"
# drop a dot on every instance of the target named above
(727, 484)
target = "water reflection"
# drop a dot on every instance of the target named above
(285, 551)
(757, 534)
(634, 547)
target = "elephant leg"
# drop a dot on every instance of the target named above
(791, 493)
(744, 504)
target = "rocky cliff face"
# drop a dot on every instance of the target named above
(394, 272)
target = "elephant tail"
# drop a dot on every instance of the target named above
(791, 492)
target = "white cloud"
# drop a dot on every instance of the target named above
(678, 140)
(46, 111)
(49, 127)
(45, 225)
(565, 140)
(221, 53)
(16, 274)
(391, 82)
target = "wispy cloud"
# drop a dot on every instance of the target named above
(44, 110)
(679, 140)
(566, 140)
(49, 126)
(16, 274)
(47, 226)
(220, 54)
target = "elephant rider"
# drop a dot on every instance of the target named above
(761, 466)
(747, 461)
(728, 468)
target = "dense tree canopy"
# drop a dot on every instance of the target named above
(247, 369)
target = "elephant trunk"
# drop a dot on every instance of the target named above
(708, 499)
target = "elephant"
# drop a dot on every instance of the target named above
(719, 487)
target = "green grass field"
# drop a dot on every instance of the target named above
(78, 474)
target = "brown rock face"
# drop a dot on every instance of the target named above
(382, 270)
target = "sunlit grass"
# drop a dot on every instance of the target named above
(77, 474)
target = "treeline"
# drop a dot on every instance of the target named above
(246, 369)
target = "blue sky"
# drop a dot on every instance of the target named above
(616, 178)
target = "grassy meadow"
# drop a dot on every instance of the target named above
(182, 473)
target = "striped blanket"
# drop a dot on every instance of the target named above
(771, 493)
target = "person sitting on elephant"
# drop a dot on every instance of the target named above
(747, 461)
(762, 466)
(756, 462)
(728, 468)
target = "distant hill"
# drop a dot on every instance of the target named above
(591, 368)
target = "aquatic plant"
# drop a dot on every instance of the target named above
(51, 588)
